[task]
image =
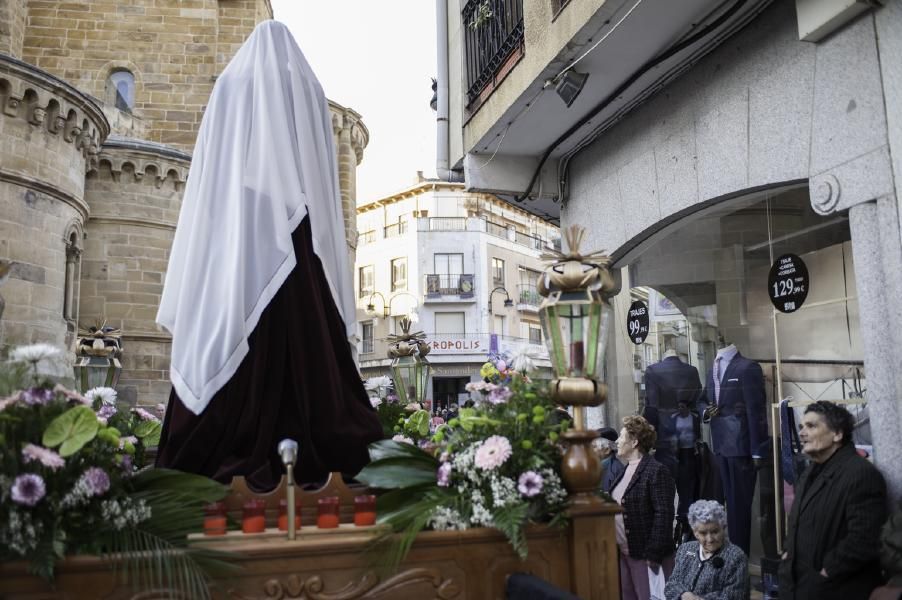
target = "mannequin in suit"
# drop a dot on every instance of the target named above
(669, 384)
(735, 405)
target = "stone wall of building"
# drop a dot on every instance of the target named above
(12, 26)
(351, 137)
(135, 193)
(49, 135)
(174, 48)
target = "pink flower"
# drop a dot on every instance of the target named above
(48, 458)
(444, 475)
(499, 395)
(493, 452)
(28, 489)
(71, 395)
(145, 415)
(530, 484)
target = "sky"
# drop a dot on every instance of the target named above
(378, 59)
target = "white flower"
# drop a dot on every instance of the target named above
(376, 383)
(375, 401)
(402, 439)
(523, 361)
(106, 395)
(35, 353)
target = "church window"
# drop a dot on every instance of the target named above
(121, 90)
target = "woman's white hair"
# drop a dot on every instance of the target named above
(707, 511)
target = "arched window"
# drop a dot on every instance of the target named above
(72, 280)
(120, 90)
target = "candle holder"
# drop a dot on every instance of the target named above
(284, 516)
(327, 512)
(364, 510)
(288, 451)
(215, 522)
(253, 517)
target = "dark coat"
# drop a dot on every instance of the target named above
(668, 383)
(740, 426)
(835, 526)
(648, 510)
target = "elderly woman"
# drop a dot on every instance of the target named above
(710, 568)
(645, 490)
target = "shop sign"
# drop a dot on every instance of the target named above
(637, 322)
(459, 345)
(787, 283)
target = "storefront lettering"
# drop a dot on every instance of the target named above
(459, 345)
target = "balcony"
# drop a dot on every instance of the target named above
(439, 286)
(530, 241)
(496, 230)
(493, 30)
(395, 229)
(447, 223)
(528, 298)
(366, 237)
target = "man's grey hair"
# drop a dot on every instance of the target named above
(707, 511)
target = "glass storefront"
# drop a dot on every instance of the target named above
(706, 280)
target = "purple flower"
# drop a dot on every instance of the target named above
(499, 395)
(127, 465)
(106, 411)
(444, 474)
(96, 481)
(391, 398)
(48, 458)
(530, 484)
(493, 452)
(37, 396)
(28, 489)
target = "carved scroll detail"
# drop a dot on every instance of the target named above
(294, 587)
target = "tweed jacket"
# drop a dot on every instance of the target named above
(835, 526)
(728, 582)
(648, 510)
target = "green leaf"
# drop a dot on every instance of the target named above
(418, 423)
(393, 473)
(510, 520)
(149, 433)
(71, 430)
(390, 449)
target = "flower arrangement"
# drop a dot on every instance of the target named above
(70, 484)
(497, 464)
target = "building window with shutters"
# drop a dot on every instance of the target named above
(367, 344)
(497, 271)
(366, 278)
(399, 274)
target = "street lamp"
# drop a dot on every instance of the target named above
(97, 357)
(386, 307)
(409, 367)
(575, 317)
(507, 297)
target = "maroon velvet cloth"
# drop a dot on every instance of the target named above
(297, 381)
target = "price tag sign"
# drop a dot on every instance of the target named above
(787, 283)
(637, 322)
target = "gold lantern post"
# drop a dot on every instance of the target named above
(409, 367)
(97, 357)
(576, 316)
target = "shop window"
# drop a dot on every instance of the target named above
(366, 277)
(705, 283)
(367, 344)
(399, 274)
(120, 90)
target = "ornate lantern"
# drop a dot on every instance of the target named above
(409, 367)
(576, 317)
(97, 357)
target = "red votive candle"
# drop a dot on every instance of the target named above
(364, 510)
(215, 519)
(253, 518)
(283, 514)
(327, 512)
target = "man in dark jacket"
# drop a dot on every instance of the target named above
(832, 550)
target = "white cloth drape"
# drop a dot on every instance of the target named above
(264, 159)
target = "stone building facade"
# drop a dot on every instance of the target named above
(100, 103)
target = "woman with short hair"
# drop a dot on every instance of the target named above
(645, 490)
(711, 567)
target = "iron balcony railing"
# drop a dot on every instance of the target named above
(528, 295)
(449, 285)
(447, 223)
(493, 29)
(496, 229)
(529, 240)
(396, 229)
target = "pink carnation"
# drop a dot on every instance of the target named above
(493, 452)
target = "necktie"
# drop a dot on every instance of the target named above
(716, 375)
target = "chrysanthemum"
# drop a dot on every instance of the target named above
(145, 415)
(493, 452)
(499, 395)
(530, 484)
(37, 396)
(28, 489)
(106, 395)
(96, 481)
(45, 456)
(375, 383)
(34, 353)
(106, 411)
(71, 395)
(443, 476)
(375, 401)
(403, 439)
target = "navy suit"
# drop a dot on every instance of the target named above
(738, 432)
